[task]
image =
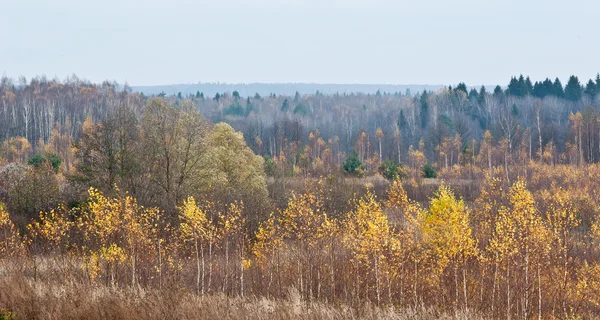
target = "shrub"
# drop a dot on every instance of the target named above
(353, 165)
(392, 170)
(429, 171)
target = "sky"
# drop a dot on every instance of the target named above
(151, 42)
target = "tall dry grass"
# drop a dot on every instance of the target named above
(22, 297)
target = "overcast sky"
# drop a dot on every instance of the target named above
(151, 42)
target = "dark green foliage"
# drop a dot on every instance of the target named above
(514, 110)
(424, 114)
(429, 171)
(392, 170)
(520, 87)
(50, 158)
(301, 109)
(473, 94)
(217, 96)
(543, 89)
(236, 94)
(297, 97)
(498, 91)
(591, 89)
(461, 87)
(447, 121)
(558, 88)
(513, 87)
(481, 96)
(271, 168)
(249, 106)
(235, 109)
(285, 107)
(257, 96)
(402, 122)
(528, 86)
(573, 89)
(6, 315)
(353, 165)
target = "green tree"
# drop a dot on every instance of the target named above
(392, 170)
(231, 171)
(573, 89)
(429, 171)
(285, 107)
(50, 158)
(353, 165)
(424, 114)
(558, 88)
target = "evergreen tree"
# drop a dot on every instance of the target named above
(285, 107)
(591, 89)
(482, 94)
(424, 114)
(528, 87)
(236, 94)
(573, 89)
(538, 90)
(544, 89)
(513, 87)
(301, 110)
(558, 89)
(473, 94)
(461, 87)
(297, 97)
(353, 165)
(498, 91)
(402, 122)
(249, 106)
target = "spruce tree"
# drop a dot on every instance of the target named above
(573, 89)
(528, 87)
(558, 89)
(590, 89)
(285, 107)
(498, 91)
(424, 114)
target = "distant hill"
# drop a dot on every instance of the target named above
(249, 89)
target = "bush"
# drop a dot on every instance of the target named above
(429, 171)
(392, 170)
(38, 160)
(6, 315)
(353, 165)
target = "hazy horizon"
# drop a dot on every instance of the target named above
(328, 42)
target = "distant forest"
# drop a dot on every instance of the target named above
(315, 133)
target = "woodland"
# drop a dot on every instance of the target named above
(459, 203)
